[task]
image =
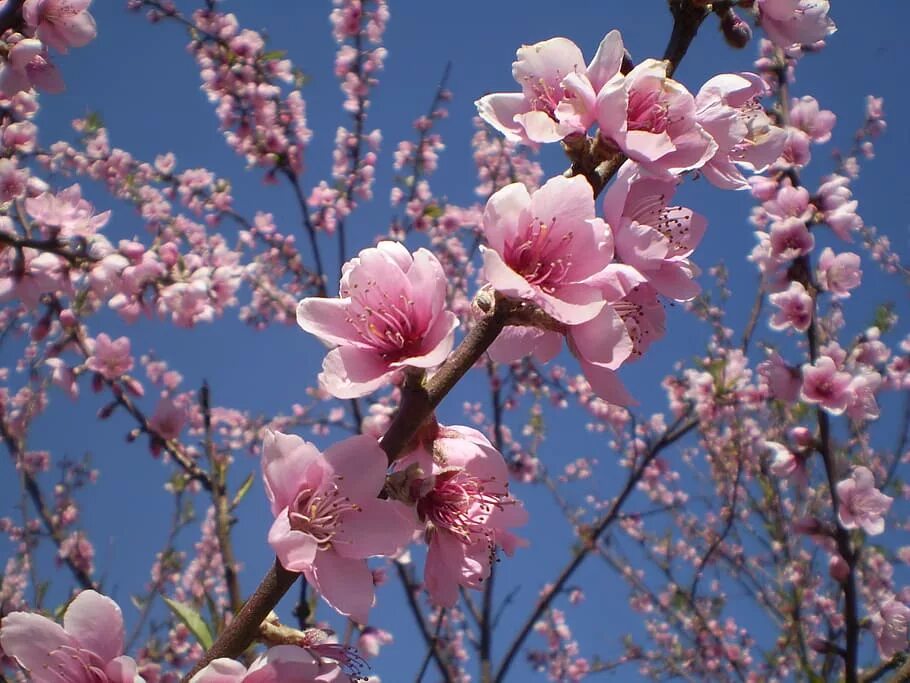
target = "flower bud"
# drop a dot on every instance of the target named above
(736, 32)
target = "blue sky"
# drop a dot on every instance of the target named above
(145, 85)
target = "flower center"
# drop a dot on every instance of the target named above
(386, 323)
(539, 257)
(461, 504)
(647, 112)
(317, 512)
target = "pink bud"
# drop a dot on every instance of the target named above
(838, 569)
(736, 31)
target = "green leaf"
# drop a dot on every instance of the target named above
(242, 491)
(190, 617)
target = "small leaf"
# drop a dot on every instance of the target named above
(243, 490)
(190, 617)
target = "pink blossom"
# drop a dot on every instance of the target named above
(27, 65)
(65, 214)
(838, 207)
(795, 308)
(824, 384)
(790, 238)
(558, 92)
(328, 518)
(168, 420)
(652, 118)
(839, 273)
(61, 23)
(463, 498)
(861, 504)
(279, 664)
(12, 180)
(110, 358)
(814, 122)
(88, 648)
(790, 23)
(391, 314)
(890, 627)
(785, 463)
(543, 245)
(41, 272)
(862, 404)
(654, 238)
(728, 109)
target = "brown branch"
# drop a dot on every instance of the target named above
(678, 430)
(687, 18)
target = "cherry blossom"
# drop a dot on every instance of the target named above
(890, 626)
(390, 314)
(542, 246)
(861, 504)
(110, 358)
(88, 648)
(795, 308)
(652, 118)
(280, 664)
(462, 496)
(790, 23)
(61, 24)
(839, 273)
(728, 109)
(328, 518)
(825, 384)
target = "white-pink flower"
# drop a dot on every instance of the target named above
(88, 648)
(790, 23)
(558, 91)
(110, 358)
(61, 23)
(861, 504)
(328, 518)
(795, 308)
(815, 122)
(652, 118)
(279, 664)
(544, 245)
(391, 314)
(650, 235)
(728, 108)
(27, 65)
(839, 273)
(824, 384)
(890, 627)
(463, 498)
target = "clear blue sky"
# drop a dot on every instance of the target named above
(146, 87)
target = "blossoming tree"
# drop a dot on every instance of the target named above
(741, 523)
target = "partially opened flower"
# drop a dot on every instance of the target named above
(88, 648)
(328, 518)
(463, 498)
(795, 22)
(727, 107)
(652, 236)
(557, 90)
(652, 118)
(280, 664)
(544, 245)
(390, 314)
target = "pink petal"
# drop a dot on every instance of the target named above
(286, 462)
(361, 465)
(504, 279)
(295, 550)
(97, 623)
(221, 670)
(438, 341)
(607, 385)
(30, 638)
(504, 213)
(379, 528)
(441, 572)
(500, 110)
(674, 281)
(123, 670)
(328, 320)
(571, 304)
(603, 339)
(611, 107)
(517, 342)
(607, 60)
(541, 127)
(348, 372)
(347, 585)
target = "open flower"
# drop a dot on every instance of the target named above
(280, 664)
(557, 90)
(542, 246)
(328, 518)
(88, 648)
(654, 238)
(795, 22)
(61, 23)
(463, 498)
(861, 504)
(391, 314)
(652, 118)
(727, 107)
